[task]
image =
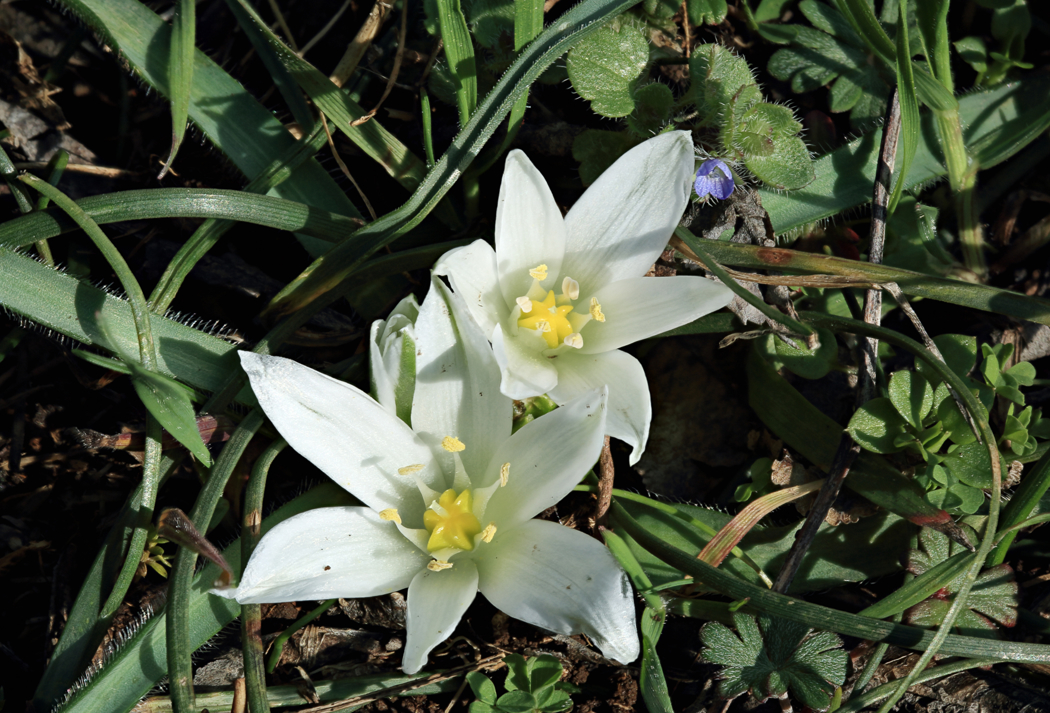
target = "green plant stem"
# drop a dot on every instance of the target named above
(151, 468)
(251, 614)
(10, 175)
(55, 168)
(962, 178)
(180, 665)
(858, 703)
(139, 309)
(280, 641)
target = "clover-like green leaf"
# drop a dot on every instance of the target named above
(993, 597)
(780, 657)
(971, 464)
(516, 702)
(876, 425)
(484, 689)
(912, 396)
(605, 66)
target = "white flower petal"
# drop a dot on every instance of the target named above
(392, 358)
(561, 580)
(529, 228)
(621, 223)
(457, 383)
(325, 553)
(436, 602)
(344, 432)
(548, 458)
(382, 381)
(472, 272)
(629, 411)
(642, 307)
(524, 369)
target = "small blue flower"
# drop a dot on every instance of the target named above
(714, 178)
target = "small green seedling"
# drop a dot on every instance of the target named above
(992, 599)
(772, 658)
(533, 686)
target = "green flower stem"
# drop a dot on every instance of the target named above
(180, 666)
(962, 178)
(251, 614)
(151, 469)
(139, 309)
(280, 641)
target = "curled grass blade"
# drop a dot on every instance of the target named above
(910, 119)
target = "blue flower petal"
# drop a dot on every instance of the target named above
(714, 178)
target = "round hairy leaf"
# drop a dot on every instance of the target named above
(652, 108)
(604, 67)
(717, 76)
(912, 396)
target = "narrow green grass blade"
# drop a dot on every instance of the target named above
(282, 78)
(845, 176)
(213, 203)
(180, 73)
(1024, 501)
(238, 125)
(460, 54)
(138, 664)
(528, 22)
(55, 168)
(932, 16)
(328, 271)
(825, 618)
(944, 289)
(910, 119)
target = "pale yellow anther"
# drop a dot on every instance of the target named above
(410, 469)
(489, 532)
(504, 475)
(543, 325)
(390, 515)
(538, 273)
(438, 565)
(570, 288)
(596, 310)
(574, 340)
(525, 303)
(452, 444)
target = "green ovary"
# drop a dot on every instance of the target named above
(457, 527)
(550, 319)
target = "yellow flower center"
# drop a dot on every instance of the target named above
(551, 319)
(452, 523)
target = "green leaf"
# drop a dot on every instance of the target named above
(971, 464)
(482, 707)
(876, 425)
(460, 54)
(909, 104)
(717, 76)
(912, 396)
(783, 658)
(807, 363)
(169, 402)
(653, 104)
(605, 67)
(651, 676)
(596, 150)
(706, 12)
(484, 689)
(544, 671)
(1023, 373)
(517, 673)
(180, 72)
(770, 10)
(959, 352)
(973, 52)
(789, 167)
(516, 702)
